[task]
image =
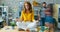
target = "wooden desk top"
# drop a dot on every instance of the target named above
(8, 29)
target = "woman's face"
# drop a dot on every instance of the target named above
(26, 6)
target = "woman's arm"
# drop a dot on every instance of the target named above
(32, 15)
(39, 16)
(21, 17)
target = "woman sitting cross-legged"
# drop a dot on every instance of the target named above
(27, 17)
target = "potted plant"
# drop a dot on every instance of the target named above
(12, 24)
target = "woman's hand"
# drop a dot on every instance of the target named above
(17, 19)
(20, 20)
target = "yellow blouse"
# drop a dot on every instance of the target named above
(27, 17)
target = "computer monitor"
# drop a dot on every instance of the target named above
(0, 11)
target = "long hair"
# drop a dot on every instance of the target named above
(30, 7)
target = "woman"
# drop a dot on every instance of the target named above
(49, 20)
(27, 14)
(27, 17)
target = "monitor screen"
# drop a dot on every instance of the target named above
(59, 13)
(0, 11)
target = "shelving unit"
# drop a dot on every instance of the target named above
(36, 9)
(4, 13)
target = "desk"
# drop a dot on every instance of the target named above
(15, 30)
(8, 29)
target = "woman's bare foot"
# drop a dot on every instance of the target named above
(27, 30)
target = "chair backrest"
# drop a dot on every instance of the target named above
(36, 17)
(19, 13)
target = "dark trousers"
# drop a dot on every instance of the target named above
(42, 22)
